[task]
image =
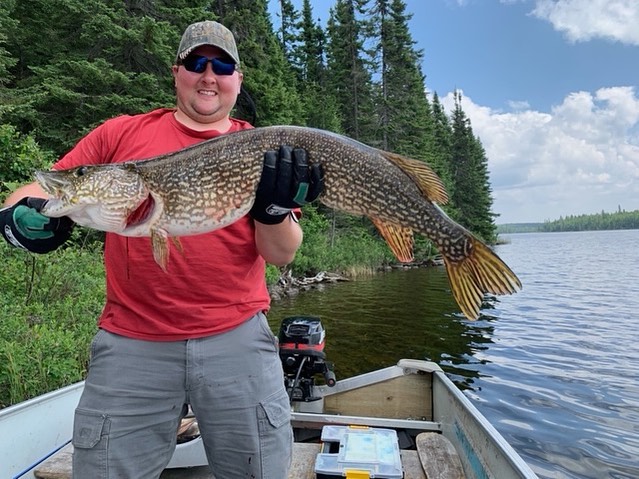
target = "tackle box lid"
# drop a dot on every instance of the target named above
(364, 452)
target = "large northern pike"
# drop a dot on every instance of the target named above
(212, 184)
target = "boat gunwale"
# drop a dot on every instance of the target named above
(494, 436)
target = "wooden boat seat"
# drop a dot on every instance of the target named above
(438, 457)
(425, 463)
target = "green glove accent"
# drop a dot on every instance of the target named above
(23, 226)
(300, 197)
(31, 224)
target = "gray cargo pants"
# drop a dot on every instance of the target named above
(136, 393)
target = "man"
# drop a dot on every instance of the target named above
(198, 335)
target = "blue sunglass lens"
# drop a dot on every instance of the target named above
(197, 64)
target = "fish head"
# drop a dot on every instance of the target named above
(98, 196)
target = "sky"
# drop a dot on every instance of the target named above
(551, 88)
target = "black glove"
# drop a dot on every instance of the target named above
(287, 182)
(24, 227)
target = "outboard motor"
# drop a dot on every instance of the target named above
(301, 343)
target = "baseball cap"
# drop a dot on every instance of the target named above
(207, 33)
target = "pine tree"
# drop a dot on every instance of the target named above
(320, 105)
(350, 77)
(440, 152)
(267, 75)
(405, 115)
(7, 24)
(8, 102)
(289, 32)
(472, 193)
(310, 53)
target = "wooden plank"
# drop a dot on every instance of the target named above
(399, 398)
(412, 465)
(59, 465)
(303, 466)
(438, 457)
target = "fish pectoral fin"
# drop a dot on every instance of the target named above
(423, 175)
(399, 239)
(481, 272)
(160, 247)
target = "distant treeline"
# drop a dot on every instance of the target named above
(509, 228)
(619, 220)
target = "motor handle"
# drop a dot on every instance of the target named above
(329, 378)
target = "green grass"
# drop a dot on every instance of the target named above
(50, 305)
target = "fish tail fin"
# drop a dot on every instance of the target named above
(481, 272)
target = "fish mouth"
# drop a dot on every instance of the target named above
(52, 182)
(142, 213)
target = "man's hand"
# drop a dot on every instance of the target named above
(287, 182)
(24, 227)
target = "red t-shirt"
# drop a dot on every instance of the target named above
(213, 286)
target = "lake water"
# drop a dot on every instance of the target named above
(555, 367)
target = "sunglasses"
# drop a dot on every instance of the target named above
(197, 64)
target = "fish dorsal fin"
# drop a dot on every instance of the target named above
(399, 239)
(423, 175)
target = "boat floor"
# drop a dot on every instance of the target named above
(435, 455)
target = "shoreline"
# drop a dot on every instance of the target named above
(287, 285)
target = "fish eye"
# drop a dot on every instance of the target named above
(81, 171)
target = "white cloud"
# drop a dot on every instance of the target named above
(518, 104)
(582, 157)
(581, 20)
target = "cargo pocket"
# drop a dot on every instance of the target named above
(276, 435)
(90, 439)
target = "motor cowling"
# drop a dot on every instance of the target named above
(301, 348)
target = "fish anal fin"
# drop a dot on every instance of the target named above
(423, 175)
(399, 239)
(481, 272)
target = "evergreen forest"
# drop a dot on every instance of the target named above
(617, 220)
(67, 65)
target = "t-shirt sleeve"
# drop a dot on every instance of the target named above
(92, 149)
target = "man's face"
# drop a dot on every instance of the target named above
(205, 98)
